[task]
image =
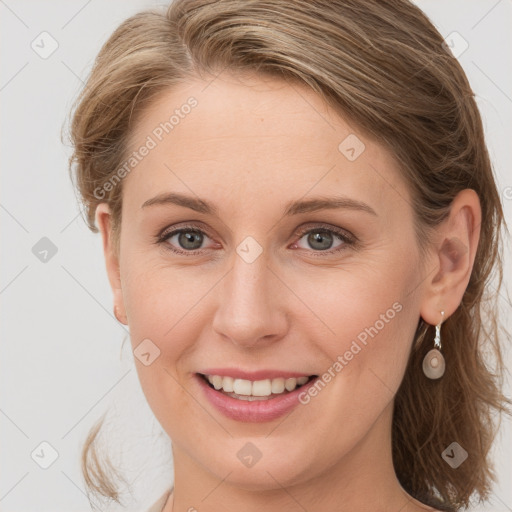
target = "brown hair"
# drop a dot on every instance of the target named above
(409, 93)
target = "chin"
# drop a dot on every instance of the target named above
(282, 468)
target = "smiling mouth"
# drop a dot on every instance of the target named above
(248, 390)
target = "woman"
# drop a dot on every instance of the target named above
(299, 221)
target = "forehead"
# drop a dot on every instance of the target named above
(263, 138)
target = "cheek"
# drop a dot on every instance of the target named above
(160, 304)
(166, 312)
(365, 319)
(371, 317)
(160, 301)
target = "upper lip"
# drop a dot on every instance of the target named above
(237, 373)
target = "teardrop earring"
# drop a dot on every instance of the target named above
(433, 363)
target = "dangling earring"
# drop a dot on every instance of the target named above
(433, 363)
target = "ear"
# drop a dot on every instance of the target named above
(452, 258)
(103, 219)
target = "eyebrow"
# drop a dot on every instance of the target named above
(291, 208)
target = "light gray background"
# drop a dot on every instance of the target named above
(61, 360)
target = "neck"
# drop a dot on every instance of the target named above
(363, 479)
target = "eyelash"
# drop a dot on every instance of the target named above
(346, 238)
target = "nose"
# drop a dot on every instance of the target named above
(251, 304)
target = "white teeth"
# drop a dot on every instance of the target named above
(242, 387)
(261, 388)
(278, 385)
(258, 388)
(227, 384)
(290, 384)
(217, 381)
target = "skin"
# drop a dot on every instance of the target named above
(249, 147)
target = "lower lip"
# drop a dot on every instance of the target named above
(257, 411)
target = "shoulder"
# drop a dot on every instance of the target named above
(158, 505)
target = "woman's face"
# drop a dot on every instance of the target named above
(266, 282)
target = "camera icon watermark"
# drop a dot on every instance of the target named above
(146, 352)
(44, 45)
(352, 147)
(249, 249)
(454, 455)
(455, 44)
(44, 250)
(44, 455)
(249, 455)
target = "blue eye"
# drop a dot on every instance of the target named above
(189, 239)
(322, 240)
